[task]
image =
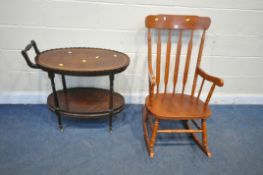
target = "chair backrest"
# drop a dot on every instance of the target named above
(169, 27)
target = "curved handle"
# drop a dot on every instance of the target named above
(24, 53)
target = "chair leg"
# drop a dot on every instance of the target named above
(145, 130)
(202, 145)
(149, 142)
(204, 138)
(153, 138)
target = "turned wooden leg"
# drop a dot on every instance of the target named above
(204, 138)
(51, 75)
(145, 130)
(153, 137)
(111, 101)
(149, 142)
(204, 134)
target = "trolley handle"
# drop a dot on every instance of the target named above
(25, 55)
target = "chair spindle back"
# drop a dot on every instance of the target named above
(175, 24)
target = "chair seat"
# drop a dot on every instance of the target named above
(177, 107)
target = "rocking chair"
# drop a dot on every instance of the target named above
(177, 105)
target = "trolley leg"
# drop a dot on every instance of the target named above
(111, 101)
(64, 83)
(52, 76)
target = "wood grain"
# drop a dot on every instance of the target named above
(198, 60)
(177, 60)
(187, 62)
(86, 102)
(83, 61)
(164, 21)
(177, 106)
(167, 64)
(158, 60)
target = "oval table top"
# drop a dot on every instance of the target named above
(83, 61)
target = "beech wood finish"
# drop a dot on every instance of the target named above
(172, 105)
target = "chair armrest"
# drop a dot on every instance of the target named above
(218, 81)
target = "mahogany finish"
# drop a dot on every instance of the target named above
(85, 102)
(81, 102)
(173, 105)
(83, 61)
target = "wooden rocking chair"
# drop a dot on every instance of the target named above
(172, 105)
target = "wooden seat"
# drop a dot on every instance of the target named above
(177, 107)
(168, 31)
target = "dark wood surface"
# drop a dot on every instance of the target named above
(82, 61)
(86, 102)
